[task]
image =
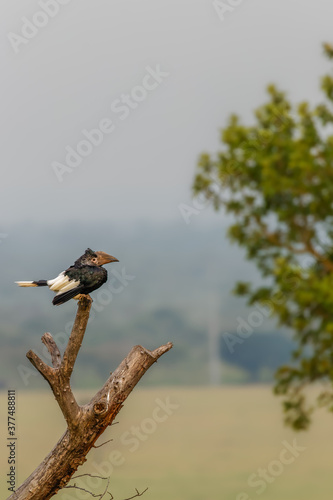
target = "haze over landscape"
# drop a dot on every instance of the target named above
(184, 277)
(167, 78)
(105, 111)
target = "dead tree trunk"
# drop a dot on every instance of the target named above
(84, 423)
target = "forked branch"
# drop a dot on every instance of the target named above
(84, 423)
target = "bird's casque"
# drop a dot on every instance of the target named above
(85, 276)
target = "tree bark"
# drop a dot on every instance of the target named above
(84, 423)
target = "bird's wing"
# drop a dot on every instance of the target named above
(62, 283)
(62, 297)
(65, 287)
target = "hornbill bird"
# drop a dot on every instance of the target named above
(85, 276)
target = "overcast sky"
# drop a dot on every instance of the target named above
(185, 69)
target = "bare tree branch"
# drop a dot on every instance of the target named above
(100, 445)
(94, 495)
(98, 495)
(52, 347)
(39, 364)
(86, 474)
(85, 423)
(76, 336)
(105, 492)
(137, 494)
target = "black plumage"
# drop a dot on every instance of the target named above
(85, 276)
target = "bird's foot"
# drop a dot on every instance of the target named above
(83, 296)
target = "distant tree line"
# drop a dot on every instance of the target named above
(259, 355)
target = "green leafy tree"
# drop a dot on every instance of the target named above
(276, 179)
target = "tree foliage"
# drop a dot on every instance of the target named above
(276, 179)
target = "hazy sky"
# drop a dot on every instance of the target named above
(185, 70)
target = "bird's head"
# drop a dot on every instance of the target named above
(91, 258)
(103, 258)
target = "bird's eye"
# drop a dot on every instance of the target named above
(94, 259)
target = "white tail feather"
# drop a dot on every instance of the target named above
(25, 283)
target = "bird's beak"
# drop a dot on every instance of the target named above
(104, 258)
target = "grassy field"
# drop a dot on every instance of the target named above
(188, 444)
